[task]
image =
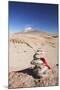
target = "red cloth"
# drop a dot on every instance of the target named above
(45, 62)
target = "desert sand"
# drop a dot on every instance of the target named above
(22, 47)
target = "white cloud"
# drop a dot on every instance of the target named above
(28, 29)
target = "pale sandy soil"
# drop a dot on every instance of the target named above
(22, 47)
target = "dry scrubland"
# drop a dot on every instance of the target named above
(22, 47)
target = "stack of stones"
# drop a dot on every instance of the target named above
(39, 69)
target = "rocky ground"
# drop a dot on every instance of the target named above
(22, 47)
(26, 79)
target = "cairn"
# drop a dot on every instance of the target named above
(40, 64)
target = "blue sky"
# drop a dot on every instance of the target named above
(40, 16)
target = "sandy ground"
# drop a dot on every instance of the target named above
(22, 47)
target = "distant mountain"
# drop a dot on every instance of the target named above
(34, 31)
